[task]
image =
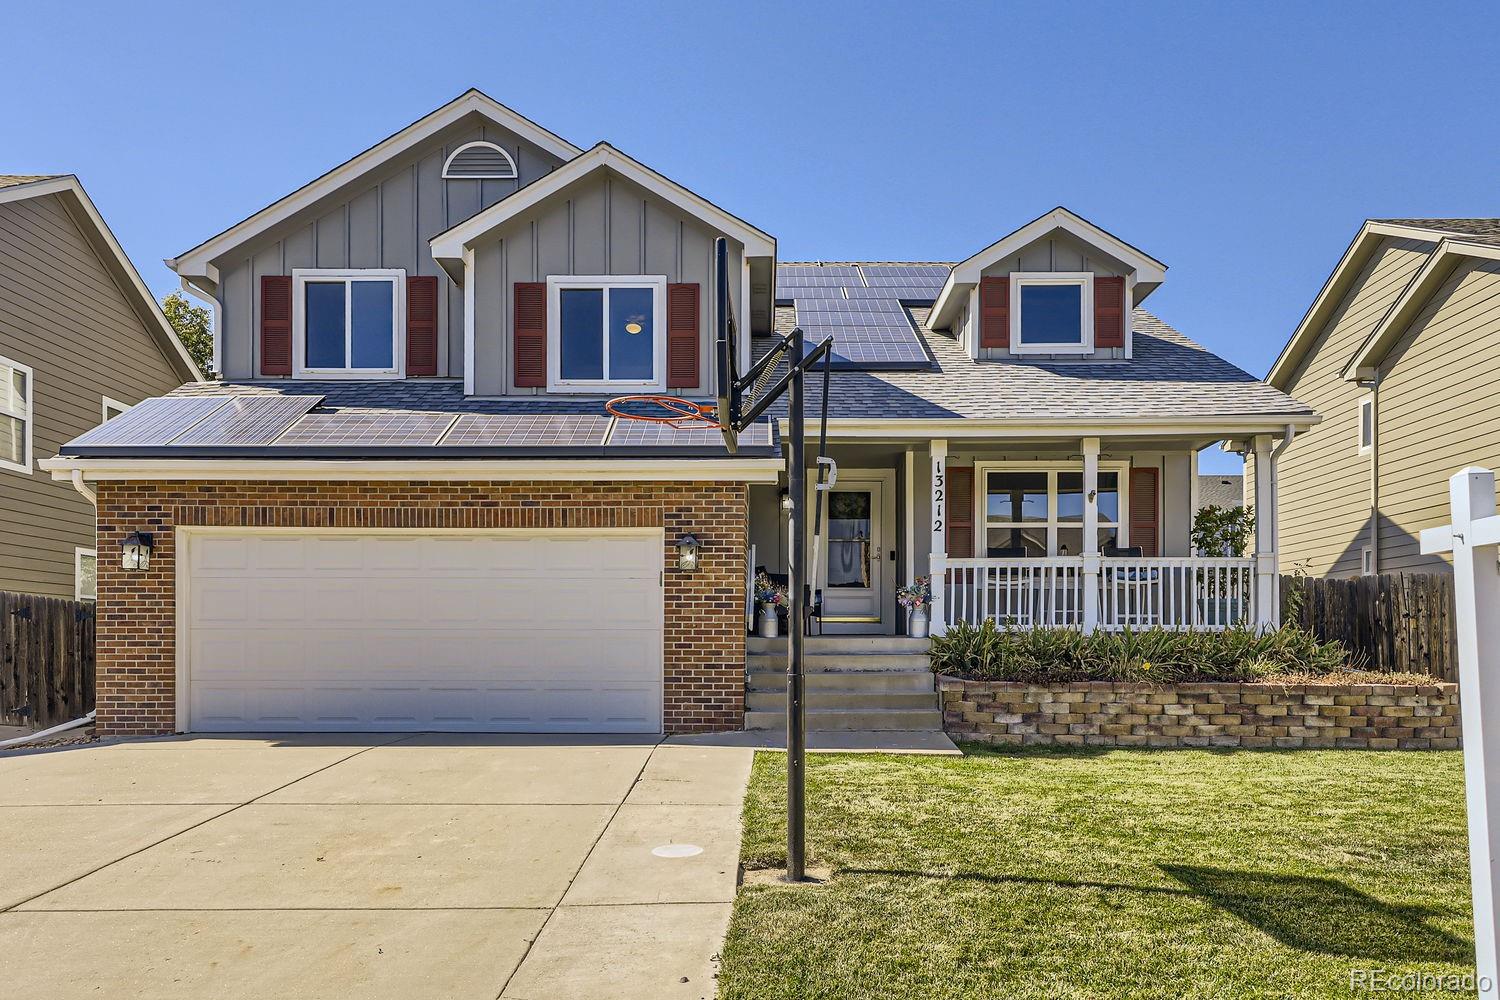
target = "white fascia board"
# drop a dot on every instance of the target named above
(449, 245)
(950, 429)
(87, 216)
(754, 470)
(1450, 253)
(1339, 279)
(194, 261)
(1149, 272)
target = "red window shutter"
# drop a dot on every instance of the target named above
(1145, 499)
(421, 325)
(530, 334)
(994, 312)
(682, 336)
(276, 324)
(961, 511)
(1109, 312)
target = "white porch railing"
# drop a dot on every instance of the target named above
(1093, 592)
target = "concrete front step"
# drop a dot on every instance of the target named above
(817, 644)
(865, 682)
(850, 701)
(829, 719)
(841, 661)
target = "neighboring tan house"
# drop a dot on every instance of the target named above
(406, 508)
(1400, 354)
(1224, 491)
(81, 340)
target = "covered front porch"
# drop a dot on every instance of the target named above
(1087, 532)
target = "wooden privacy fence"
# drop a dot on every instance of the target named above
(46, 660)
(1401, 622)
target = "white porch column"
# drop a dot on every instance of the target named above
(1267, 614)
(1472, 539)
(938, 559)
(1090, 534)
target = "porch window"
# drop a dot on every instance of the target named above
(606, 333)
(347, 324)
(1054, 312)
(1039, 512)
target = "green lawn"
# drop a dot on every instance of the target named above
(1063, 874)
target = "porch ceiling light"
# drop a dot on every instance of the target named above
(135, 550)
(687, 553)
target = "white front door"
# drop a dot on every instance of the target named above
(856, 559)
(507, 631)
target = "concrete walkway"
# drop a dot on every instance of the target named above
(369, 866)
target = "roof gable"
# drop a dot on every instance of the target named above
(197, 262)
(81, 208)
(1149, 272)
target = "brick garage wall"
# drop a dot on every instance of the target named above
(704, 642)
(1355, 716)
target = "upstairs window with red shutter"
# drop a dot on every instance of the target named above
(348, 324)
(1051, 312)
(606, 333)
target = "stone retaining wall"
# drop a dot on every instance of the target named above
(1101, 713)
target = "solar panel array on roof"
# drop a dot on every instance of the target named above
(637, 434)
(527, 430)
(247, 420)
(151, 422)
(867, 333)
(380, 428)
(908, 282)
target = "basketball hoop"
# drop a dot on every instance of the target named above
(674, 411)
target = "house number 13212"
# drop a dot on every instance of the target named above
(937, 496)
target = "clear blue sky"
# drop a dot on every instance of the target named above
(1242, 146)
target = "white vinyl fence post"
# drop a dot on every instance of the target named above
(1474, 540)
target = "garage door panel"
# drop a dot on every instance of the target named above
(553, 632)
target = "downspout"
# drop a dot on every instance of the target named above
(82, 488)
(1373, 384)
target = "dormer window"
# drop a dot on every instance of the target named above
(1053, 312)
(348, 323)
(479, 160)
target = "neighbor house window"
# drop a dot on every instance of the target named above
(15, 416)
(348, 324)
(113, 408)
(85, 574)
(1039, 511)
(1052, 312)
(1366, 425)
(606, 333)
(1367, 561)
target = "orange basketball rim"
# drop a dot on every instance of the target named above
(674, 411)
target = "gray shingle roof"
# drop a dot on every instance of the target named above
(1482, 230)
(11, 180)
(1168, 376)
(1221, 491)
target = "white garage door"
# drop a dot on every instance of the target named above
(504, 632)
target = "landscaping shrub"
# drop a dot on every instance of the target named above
(1044, 655)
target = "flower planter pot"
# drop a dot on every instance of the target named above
(769, 622)
(916, 623)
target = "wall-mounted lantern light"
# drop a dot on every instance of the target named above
(687, 553)
(135, 550)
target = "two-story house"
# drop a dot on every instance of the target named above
(81, 341)
(1398, 353)
(405, 507)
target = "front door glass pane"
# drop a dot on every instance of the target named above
(372, 337)
(582, 327)
(325, 324)
(631, 338)
(849, 538)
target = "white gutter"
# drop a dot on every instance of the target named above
(959, 427)
(45, 733)
(749, 470)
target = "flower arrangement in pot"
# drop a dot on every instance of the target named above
(915, 597)
(771, 598)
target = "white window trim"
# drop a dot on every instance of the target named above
(555, 284)
(78, 553)
(108, 404)
(1083, 279)
(302, 275)
(1366, 405)
(513, 175)
(1367, 561)
(24, 467)
(982, 522)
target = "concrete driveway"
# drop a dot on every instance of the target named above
(368, 866)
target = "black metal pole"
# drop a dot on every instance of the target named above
(796, 733)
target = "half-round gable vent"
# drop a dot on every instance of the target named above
(474, 160)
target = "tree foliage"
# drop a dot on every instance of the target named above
(192, 325)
